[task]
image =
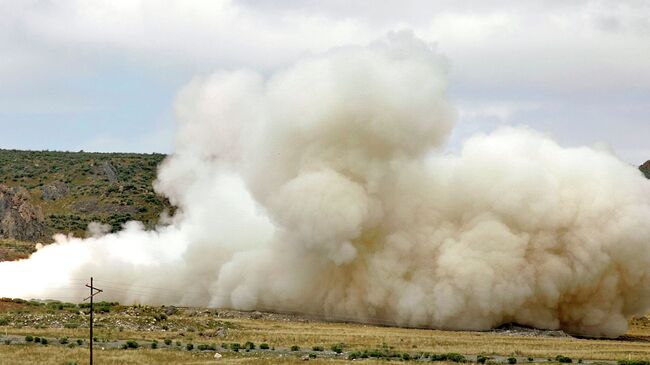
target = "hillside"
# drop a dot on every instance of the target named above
(645, 168)
(42, 193)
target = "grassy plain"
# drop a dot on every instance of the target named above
(173, 331)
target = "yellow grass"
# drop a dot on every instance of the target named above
(282, 333)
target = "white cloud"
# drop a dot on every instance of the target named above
(501, 52)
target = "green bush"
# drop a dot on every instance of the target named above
(481, 359)
(80, 342)
(633, 362)
(317, 348)
(295, 348)
(512, 360)
(406, 356)
(44, 341)
(168, 341)
(204, 347)
(154, 345)
(249, 345)
(29, 338)
(264, 346)
(130, 344)
(338, 348)
(37, 339)
(452, 356)
(189, 347)
(530, 359)
(235, 347)
(312, 356)
(563, 359)
(63, 340)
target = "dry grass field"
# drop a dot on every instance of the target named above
(209, 330)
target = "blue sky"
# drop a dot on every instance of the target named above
(103, 75)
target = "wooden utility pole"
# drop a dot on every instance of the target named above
(93, 291)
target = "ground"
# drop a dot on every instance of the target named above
(65, 327)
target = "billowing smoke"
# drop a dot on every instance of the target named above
(323, 189)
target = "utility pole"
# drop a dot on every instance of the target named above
(93, 291)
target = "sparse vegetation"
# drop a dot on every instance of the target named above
(377, 345)
(633, 362)
(338, 348)
(75, 188)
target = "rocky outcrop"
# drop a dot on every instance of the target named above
(19, 218)
(110, 172)
(55, 190)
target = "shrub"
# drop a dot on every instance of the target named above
(178, 343)
(154, 345)
(264, 346)
(63, 340)
(44, 341)
(29, 338)
(338, 348)
(317, 348)
(312, 356)
(452, 356)
(354, 355)
(131, 344)
(189, 347)
(80, 342)
(633, 362)
(37, 339)
(563, 359)
(7, 342)
(295, 348)
(249, 345)
(235, 347)
(512, 360)
(168, 341)
(204, 347)
(530, 359)
(481, 359)
(406, 356)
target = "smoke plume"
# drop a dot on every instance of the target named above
(323, 189)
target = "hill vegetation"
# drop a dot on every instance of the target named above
(645, 168)
(44, 193)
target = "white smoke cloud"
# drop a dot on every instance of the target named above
(322, 190)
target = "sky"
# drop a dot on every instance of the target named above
(103, 75)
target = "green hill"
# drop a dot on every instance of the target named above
(42, 192)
